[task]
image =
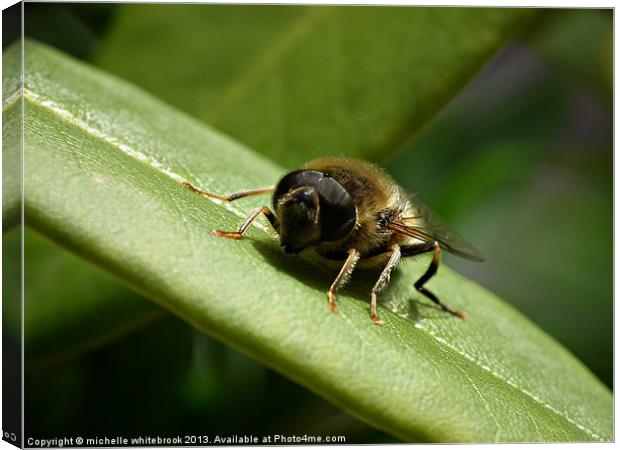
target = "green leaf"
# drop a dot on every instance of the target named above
(103, 164)
(296, 82)
(66, 319)
(11, 142)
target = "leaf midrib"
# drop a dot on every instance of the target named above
(153, 164)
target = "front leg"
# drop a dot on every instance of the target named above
(273, 220)
(227, 198)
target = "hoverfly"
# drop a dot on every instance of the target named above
(353, 215)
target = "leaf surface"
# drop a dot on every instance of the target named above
(104, 162)
(11, 141)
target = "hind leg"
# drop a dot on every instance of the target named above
(432, 270)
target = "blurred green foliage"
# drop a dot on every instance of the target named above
(525, 168)
(520, 162)
(87, 312)
(298, 82)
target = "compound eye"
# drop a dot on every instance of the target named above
(293, 180)
(338, 212)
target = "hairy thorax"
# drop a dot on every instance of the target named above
(378, 200)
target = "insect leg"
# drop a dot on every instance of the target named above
(432, 270)
(383, 280)
(343, 277)
(227, 198)
(244, 227)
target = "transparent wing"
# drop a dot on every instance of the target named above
(426, 225)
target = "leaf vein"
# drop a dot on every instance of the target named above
(124, 148)
(508, 381)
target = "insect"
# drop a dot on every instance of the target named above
(351, 214)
